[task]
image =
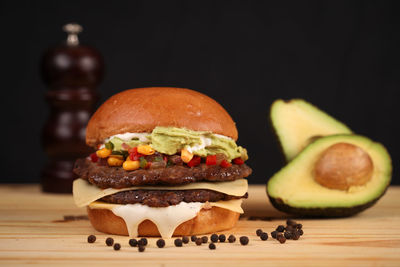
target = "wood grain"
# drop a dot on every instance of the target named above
(33, 231)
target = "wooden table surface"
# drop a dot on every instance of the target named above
(37, 228)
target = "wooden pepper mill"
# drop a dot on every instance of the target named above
(72, 72)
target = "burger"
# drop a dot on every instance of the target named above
(166, 164)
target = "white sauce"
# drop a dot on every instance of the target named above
(223, 136)
(204, 143)
(143, 137)
(167, 219)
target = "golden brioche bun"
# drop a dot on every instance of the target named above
(141, 110)
(207, 221)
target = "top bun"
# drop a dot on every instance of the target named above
(141, 110)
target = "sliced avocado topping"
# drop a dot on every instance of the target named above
(298, 123)
(294, 189)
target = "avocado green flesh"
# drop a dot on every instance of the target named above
(297, 122)
(294, 188)
(171, 140)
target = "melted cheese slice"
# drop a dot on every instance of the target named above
(86, 193)
(167, 219)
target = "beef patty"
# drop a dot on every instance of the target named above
(117, 177)
(165, 198)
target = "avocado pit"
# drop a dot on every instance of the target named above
(342, 166)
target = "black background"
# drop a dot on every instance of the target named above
(342, 56)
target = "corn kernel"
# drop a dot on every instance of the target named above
(103, 153)
(131, 165)
(114, 161)
(145, 150)
(186, 156)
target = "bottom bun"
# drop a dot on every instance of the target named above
(207, 221)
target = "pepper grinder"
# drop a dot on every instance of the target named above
(72, 72)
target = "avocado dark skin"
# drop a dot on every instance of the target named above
(321, 212)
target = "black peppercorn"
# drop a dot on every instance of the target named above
(133, 242)
(199, 241)
(91, 239)
(231, 239)
(288, 235)
(290, 222)
(281, 239)
(295, 235)
(142, 242)
(259, 232)
(193, 238)
(299, 226)
(214, 238)
(160, 243)
(109, 241)
(178, 242)
(273, 234)
(117, 246)
(141, 248)
(211, 246)
(204, 239)
(222, 238)
(300, 231)
(280, 228)
(244, 240)
(185, 239)
(264, 236)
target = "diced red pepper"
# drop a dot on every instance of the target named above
(94, 157)
(148, 165)
(165, 159)
(133, 154)
(194, 161)
(132, 150)
(225, 164)
(238, 161)
(211, 160)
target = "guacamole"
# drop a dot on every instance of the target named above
(170, 140)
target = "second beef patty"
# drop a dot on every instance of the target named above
(165, 198)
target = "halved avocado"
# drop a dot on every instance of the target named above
(294, 189)
(297, 123)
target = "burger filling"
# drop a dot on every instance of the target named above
(168, 156)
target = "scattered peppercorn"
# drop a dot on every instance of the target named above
(264, 236)
(133, 242)
(279, 235)
(142, 242)
(178, 242)
(199, 241)
(281, 239)
(299, 226)
(222, 238)
(280, 228)
(193, 238)
(295, 235)
(214, 238)
(109, 241)
(273, 234)
(185, 239)
(117, 246)
(204, 239)
(300, 231)
(91, 239)
(290, 222)
(259, 232)
(141, 248)
(288, 235)
(160, 243)
(211, 246)
(231, 239)
(244, 240)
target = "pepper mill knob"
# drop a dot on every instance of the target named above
(73, 29)
(71, 71)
